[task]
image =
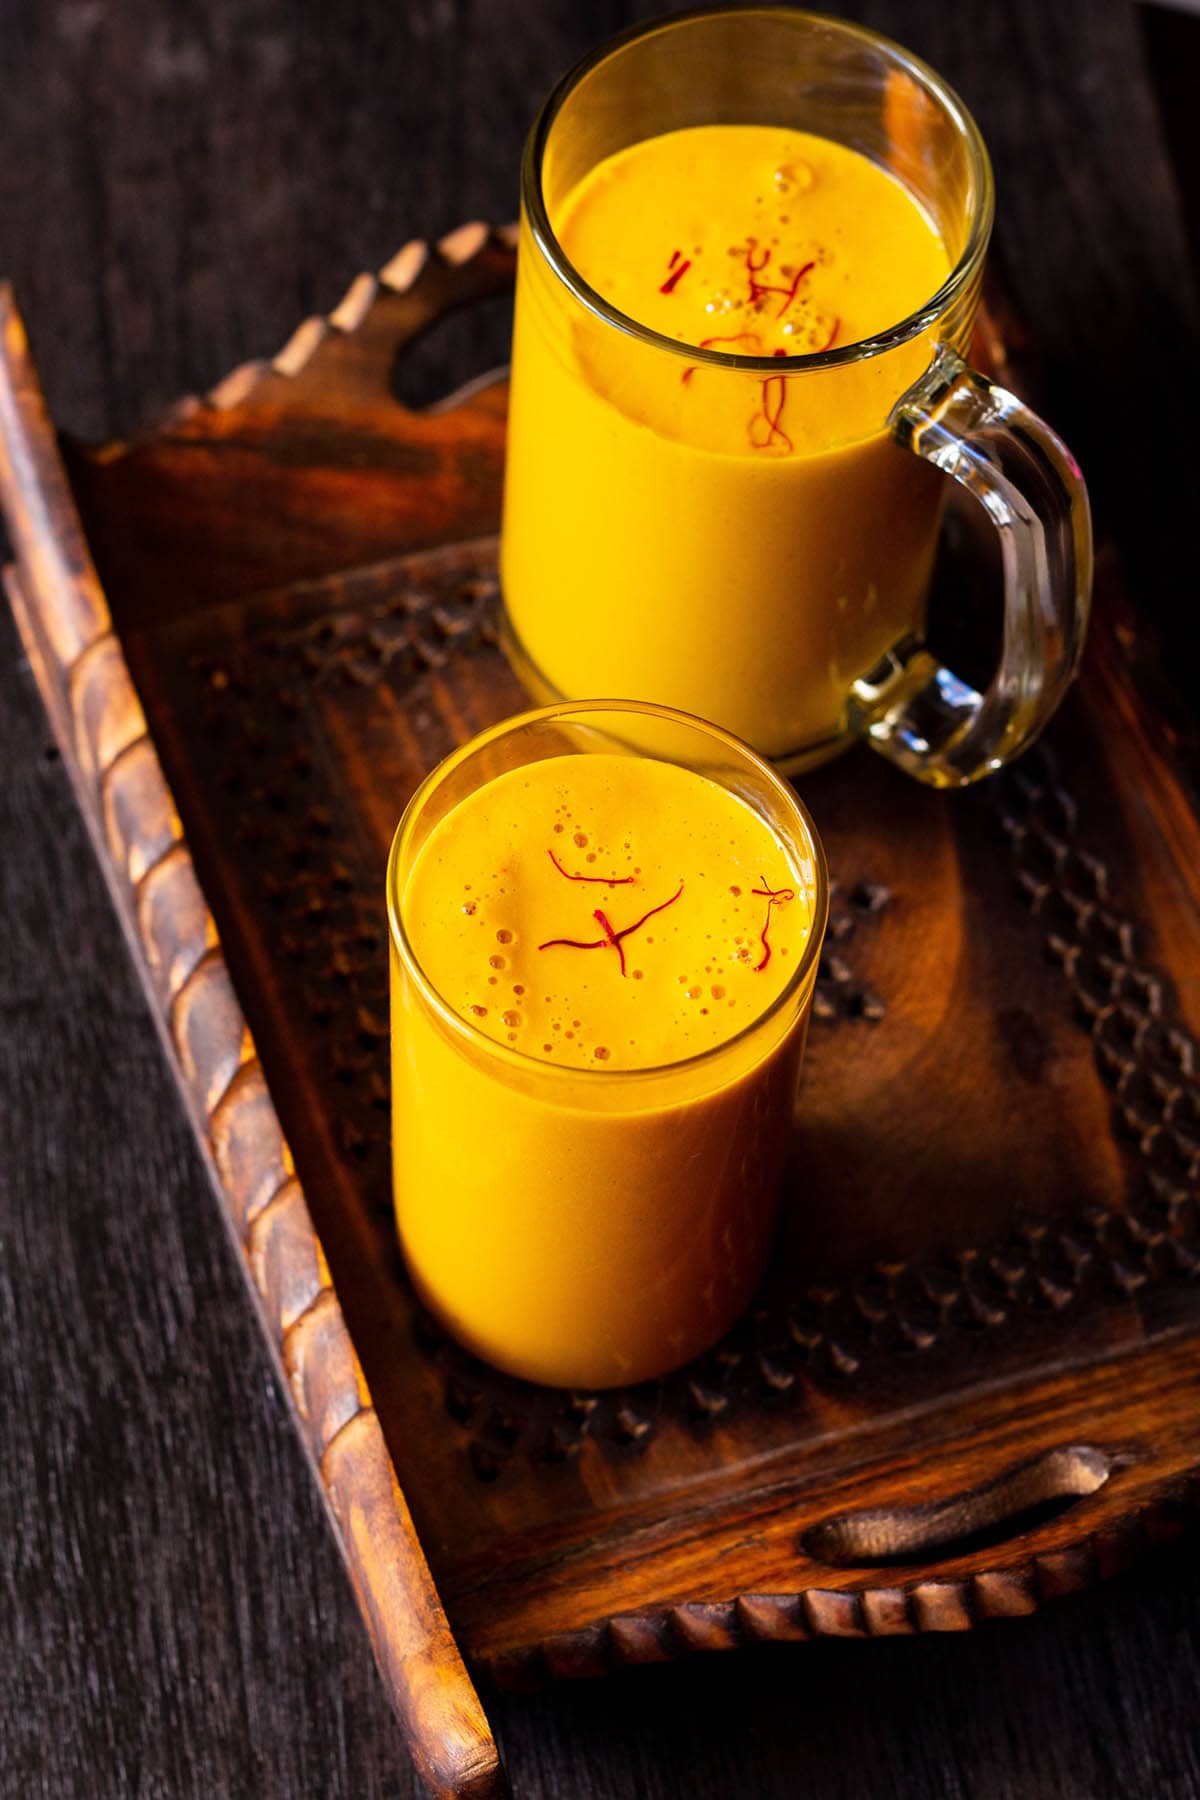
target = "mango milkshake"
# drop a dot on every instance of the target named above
(602, 965)
(739, 543)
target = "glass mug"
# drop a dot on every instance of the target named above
(597, 1225)
(647, 552)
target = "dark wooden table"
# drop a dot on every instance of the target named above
(179, 185)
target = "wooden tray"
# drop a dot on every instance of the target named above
(970, 1381)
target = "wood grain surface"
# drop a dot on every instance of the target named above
(175, 190)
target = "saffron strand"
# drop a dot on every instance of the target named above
(760, 289)
(773, 897)
(615, 938)
(637, 925)
(610, 936)
(606, 880)
(677, 275)
(791, 293)
(573, 944)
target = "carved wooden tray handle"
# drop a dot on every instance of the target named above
(1010, 1505)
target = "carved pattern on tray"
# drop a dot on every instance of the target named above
(1148, 1062)
(434, 605)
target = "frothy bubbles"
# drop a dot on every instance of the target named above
(694, 963)
(792, 177)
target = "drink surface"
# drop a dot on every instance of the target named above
(738, 544)
(755, 241)
(607, 911)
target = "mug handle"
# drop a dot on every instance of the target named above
(908, 707)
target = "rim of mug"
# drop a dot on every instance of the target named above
(802, 975)
(924, 316)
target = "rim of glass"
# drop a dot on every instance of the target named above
(521, 1059)
(981, 196)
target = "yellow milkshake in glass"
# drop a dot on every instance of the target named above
(750, 260)
(741, 544)
(605, 925)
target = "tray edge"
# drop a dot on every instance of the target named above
(79, 668)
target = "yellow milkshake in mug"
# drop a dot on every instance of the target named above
(605, 925)
(750, 257)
